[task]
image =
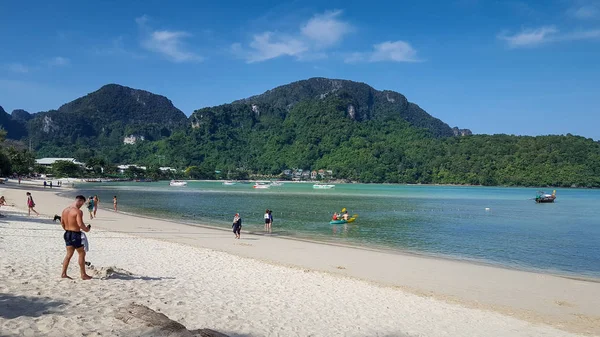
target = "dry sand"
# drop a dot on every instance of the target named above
(265, 286)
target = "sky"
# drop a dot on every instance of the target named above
(513, 67)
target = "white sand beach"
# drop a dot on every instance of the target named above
(202, 277)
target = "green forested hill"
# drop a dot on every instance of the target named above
(102, 119)
(363, 102)
(358, 132)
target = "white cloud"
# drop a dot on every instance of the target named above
(59, 61)
(586, 12)
(546, 34)
(17, 68)
(584, 9)
(529, 37)
(168, 43)
(388, 51)
(326, 29)
(398, 51)
(308, 43)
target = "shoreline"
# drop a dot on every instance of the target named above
(372, 248)
(341, 182)
(566, 303)
(588, 277)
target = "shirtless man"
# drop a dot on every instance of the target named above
(72, 223)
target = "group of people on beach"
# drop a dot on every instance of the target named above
(237, 223)
(47, 183)
(92, 205)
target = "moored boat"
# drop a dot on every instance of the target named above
(261, 186)
(178, 183)
(229, 183)
(542, 197)
(323, 186)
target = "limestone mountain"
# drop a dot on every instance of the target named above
(105, 118)
(15, 129)
(363, 103)
(21, 115)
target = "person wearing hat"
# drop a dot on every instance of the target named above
(237, 225)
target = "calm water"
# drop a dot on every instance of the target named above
(563, 237)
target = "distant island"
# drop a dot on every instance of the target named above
(347, 128)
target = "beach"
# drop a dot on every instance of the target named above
(260, 285)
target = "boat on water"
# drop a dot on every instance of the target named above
(323, 186)
(542, 197)
(341, 221)
(261, 186)
(229, 183)
(276, 183)
(178, 183)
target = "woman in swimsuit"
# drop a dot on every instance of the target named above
(96, 202)
(30, 205)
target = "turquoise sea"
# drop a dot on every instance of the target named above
(448, 221)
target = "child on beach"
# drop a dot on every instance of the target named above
(30, 205)
(115, 203)
(237, 225)
(270, 219)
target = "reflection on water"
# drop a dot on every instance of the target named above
(498, 225)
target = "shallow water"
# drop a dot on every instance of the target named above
(563, 237)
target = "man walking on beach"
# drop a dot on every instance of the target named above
(72, 223)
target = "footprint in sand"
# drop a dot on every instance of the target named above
(563, 304)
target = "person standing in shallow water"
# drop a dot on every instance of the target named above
(267, 220)
(237, 225)
(30, 205)
(72, 223)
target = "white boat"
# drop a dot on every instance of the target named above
(323, 186)
(229, 183)
(178, 183)
(261, 186)
(276, 183)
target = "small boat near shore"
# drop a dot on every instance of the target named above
(261, 186)
(229, 183)
(323, 186)
(342, 221)
(177, 183)
(542, 197)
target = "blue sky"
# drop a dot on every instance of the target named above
(492, 66)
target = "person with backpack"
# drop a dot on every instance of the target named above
(30, 205)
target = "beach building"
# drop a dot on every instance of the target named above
(48, 162)
(122, 168)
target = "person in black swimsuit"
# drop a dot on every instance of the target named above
(72, 222)
(237, 225)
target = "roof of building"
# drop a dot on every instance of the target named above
(50, 161)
